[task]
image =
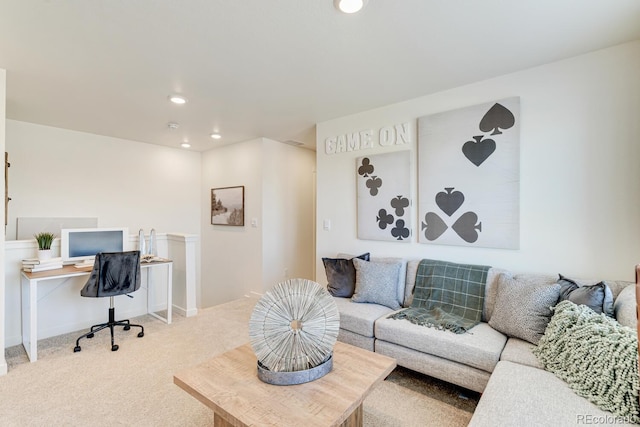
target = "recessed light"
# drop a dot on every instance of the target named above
(178, 99)
(216, 135)
(349, 6)
(185, 145)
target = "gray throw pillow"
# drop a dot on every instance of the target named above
(377, 283)
(598, 297)
(523, 309)
(341, 275)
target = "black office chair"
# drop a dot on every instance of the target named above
(114, 273)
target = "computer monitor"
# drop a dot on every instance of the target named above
(82, 244)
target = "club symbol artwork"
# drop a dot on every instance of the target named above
(390, 211)
(497, 119)
(400, 204)
(467, 226)
(400, 231)
(366, 170)
(384, 219)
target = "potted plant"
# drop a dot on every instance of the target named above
(44, 240)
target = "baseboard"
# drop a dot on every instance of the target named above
(184, 312)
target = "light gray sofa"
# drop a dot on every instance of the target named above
(503, 368)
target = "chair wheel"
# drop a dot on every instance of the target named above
(126, 328)
(140, 334)
(114, 347)
(76, 349)
(90, 336)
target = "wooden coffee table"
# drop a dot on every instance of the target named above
(229, 385)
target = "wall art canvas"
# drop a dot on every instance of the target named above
(469, 176)
(227, 206)
(384, 196)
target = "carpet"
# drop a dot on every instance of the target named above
(134, 386)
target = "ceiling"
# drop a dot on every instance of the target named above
(272, 68)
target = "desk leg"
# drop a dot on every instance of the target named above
(30, 317)
(169, 291)
(169, 294)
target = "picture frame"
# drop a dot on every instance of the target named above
(227, 206)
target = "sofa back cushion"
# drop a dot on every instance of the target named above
(523, 306)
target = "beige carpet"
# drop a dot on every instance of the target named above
(134, 386)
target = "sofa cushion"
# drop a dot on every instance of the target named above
(597, 297)
(519, 395)
(520, 351)
(625, 307)
(523, 308)
(480, 347)
(358, 317)
(377, 282)
(402, 277)
(341, 275)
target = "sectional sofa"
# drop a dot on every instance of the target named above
(495, 357)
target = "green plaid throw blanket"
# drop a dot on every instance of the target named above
(447, 296)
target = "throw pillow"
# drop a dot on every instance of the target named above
(595, 356)
(522, 310)
(598, 297)
(377, 282)
(341, 275)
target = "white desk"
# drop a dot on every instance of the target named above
(29, 287)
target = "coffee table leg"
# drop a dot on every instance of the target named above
(218, 421)
(356, 418)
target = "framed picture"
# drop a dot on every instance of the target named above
(227, 206)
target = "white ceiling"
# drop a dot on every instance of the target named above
(272, 68)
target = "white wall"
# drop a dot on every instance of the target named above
(3, 79)
(580, 180)
(232, 256)
(278, 181)
(287, 213)
(61, 173)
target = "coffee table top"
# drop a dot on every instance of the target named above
(229, 385)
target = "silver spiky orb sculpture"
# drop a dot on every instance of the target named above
(292, 331)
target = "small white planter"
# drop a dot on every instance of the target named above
(44, 254)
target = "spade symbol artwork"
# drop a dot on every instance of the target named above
(433, 226)
(466, 227)
(498, 117)
(450, 201)
(479, 150)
